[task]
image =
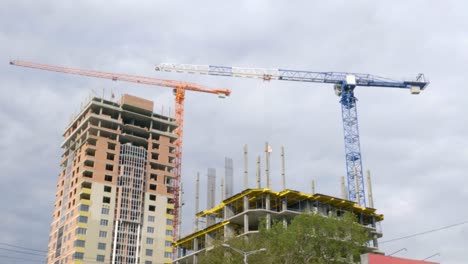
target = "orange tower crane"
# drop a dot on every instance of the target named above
(179, 90)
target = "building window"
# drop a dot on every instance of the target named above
(149, 252)
(152, 208)
(102, 234)
(110, 156)
(101, 246)
(78, 255)
(104, 222)
(153, 187)
(150, 218)
(111, 146)
(148, 262)
(150, 229)
(153, 176)
(106, 200)
(152, 197)
(167, 254)
(109, 167)
(168, 243)
(82, 219)
(168, 232)
(84, 207)
(105, 211)
(108, 178)
(80, 231)
(79, 243)
(149, 241)
(100, 258)
(107, 189)
(169, 222)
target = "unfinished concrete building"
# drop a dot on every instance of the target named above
(114, 201)
(242, 214)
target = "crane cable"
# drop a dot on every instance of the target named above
(425, 232)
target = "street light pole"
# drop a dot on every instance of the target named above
(246, 254)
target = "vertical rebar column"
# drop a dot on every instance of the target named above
(267, 165)
(344, 191)
(221, 190)
(197, 209)
(210, 201)
(228, 178)
(197, 200)
(258, 173)
(246, 167)
(369, 190)
(268, 186)
(283, 169)
(356, 185)
(284, 204)
(246, 186)
(313, 186)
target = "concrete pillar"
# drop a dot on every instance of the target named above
(246, 215)
(209, 238)
(99, 125)
(284, 207)
(229, 231)
(308, 207)
(375, 241)
(268, 208)
(195, 248)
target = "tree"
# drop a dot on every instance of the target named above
(221, 255)
(310, 238)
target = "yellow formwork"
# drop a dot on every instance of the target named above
(292, 197)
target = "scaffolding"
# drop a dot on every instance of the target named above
(129, 210)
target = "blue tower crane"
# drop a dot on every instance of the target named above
(344, 85)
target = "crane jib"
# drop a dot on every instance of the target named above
(344, 87)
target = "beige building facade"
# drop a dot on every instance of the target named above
(114, 201)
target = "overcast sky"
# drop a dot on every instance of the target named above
(415, 146)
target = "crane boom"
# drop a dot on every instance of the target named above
(344, 84)
(123, 77)
(293, 75)
(179, 89)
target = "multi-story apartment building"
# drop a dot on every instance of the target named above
(114, 201)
